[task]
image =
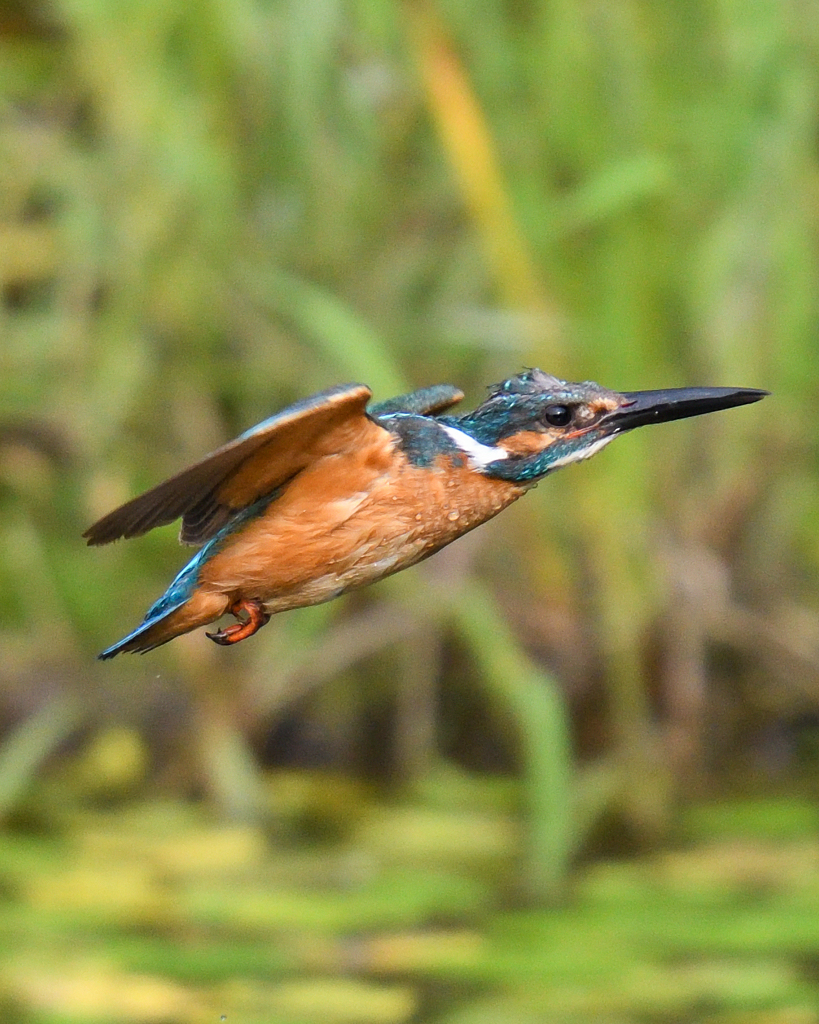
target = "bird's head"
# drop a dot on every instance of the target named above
(534, 423)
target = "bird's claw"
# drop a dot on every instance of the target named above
(241, 630)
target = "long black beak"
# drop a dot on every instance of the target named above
(676, 403)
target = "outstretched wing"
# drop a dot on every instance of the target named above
(425, 402)
(210, 492)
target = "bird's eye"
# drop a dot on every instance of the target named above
(557, 415)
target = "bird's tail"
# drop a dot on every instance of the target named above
(168, 619)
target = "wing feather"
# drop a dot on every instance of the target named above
(208, 493)
(425, 402)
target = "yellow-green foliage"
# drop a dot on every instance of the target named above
(209, 209)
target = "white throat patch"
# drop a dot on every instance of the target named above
(583, 453)
(479, 455)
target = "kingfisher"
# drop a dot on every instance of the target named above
(334, 493)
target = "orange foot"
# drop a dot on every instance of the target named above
(256, 618)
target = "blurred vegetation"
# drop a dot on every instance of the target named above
(208, 210)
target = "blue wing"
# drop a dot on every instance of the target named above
(425, 402)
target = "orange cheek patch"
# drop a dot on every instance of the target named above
(529, 442)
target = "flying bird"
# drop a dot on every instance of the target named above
(334, 493)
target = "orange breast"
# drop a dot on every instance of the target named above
(350, 519)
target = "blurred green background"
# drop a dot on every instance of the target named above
(564, 771)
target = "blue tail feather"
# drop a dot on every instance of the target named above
(183, 585)
(174, 597)
(138, 641)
